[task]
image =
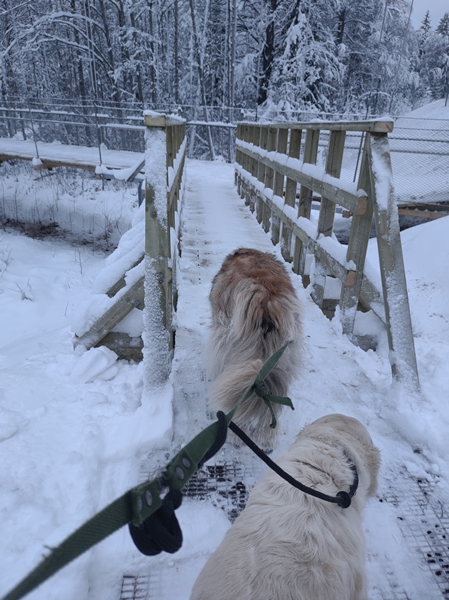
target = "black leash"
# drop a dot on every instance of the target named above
(343, 499)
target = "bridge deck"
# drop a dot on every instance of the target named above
(403, 514)
(62, 155)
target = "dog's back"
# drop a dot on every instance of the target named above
(255, 311)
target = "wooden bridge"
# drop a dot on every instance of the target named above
(277, 176)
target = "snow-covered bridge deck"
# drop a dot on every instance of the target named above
(406, 524)
(63, 155)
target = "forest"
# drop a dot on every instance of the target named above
(221, 59)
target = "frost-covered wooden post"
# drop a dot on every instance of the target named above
(294, 148)
(164, 161)
(327, 211)
(394, 284)
(305, 198)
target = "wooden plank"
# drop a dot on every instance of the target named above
(357, 246)
(326, 217)
(294, 148)
(397, 309)
(305, 199)
(443, 206)
(132, 298)
(138, 168)
(125, 346)
(336, 194)
(153, 119)
(72, 164)
(278, 185)
(423, 214)
(121, 283)
(375, 126)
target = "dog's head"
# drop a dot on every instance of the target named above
(349, 433)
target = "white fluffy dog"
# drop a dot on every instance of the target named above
(288, 545)
(255, 311)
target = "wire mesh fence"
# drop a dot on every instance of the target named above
(419, 147)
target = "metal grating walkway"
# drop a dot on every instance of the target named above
(424, 523)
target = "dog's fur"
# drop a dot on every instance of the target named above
(287, 545)
(255, 311)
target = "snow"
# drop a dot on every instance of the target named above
(75, 425)
(79, 155)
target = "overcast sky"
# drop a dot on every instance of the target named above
(437, 8)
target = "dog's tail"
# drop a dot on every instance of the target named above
(232, 383)
(253, 415)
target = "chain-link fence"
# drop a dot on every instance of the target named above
(117, 127)
(420, 158)
(419, 147)
(88, 124)
(419, 155)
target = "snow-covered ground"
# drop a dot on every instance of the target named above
(74, 431)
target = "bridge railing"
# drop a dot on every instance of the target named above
(165, 141)
(268, 172)
(146, 257)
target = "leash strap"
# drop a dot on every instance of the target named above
(343, 499)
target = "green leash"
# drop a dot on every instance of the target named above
(136, 505)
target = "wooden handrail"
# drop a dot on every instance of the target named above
(268, 169)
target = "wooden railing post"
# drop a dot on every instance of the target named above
(305, 198)
(255, 137)
(245, 164)
(157, 312)
(291, 185)
(327, 211)
(238, 159)
(161, 206)
(357, 246)
(269, 178)
(263, 139)
(278, 185)
(397, 309)
(249, 167)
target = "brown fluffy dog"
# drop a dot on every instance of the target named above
(255, 311)
(287, 545)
